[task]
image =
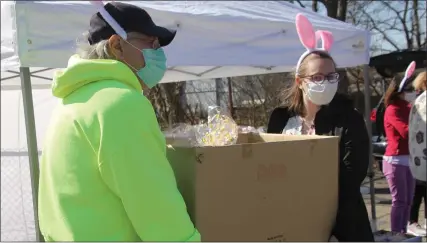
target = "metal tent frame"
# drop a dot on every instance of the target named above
(30, 128)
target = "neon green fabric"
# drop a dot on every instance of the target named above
(104, 175)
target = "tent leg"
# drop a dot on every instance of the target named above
(371, 171)
(30, 127)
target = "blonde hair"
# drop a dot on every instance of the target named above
(96, 51)
(420, 82)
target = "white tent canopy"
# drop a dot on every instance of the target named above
(214, 39)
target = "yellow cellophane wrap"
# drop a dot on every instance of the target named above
(220, 130)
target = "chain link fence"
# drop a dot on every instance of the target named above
(17, 215)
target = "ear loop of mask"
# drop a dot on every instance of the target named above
(139, 51)
(301, 87)
(133, 68)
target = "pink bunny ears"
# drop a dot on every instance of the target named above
(309, 38)
(408, 73)
(109, 19)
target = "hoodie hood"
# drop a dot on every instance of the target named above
(80, 72)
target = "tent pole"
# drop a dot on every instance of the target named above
(371, 171)
(30, 127)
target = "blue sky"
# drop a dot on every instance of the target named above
(385, 17)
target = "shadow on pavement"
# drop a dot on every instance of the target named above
(382, 191)
(384, 202)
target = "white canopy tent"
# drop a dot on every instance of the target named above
(214, 39)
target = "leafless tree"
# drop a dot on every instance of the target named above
(255, 96)
(395, 25)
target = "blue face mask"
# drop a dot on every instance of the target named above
(155, 67)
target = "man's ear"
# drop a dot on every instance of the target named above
(115, 47)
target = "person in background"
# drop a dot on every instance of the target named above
(104, 175)
(314, 107)
(397, 100)
(420, 83)
(417, 151)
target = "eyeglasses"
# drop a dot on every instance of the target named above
(151, 42)
(320, 78)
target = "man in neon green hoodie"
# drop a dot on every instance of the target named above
(104, 175)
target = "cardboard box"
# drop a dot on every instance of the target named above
(265, 188)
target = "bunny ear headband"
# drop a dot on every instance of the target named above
(408, 73)
(309, 38)
(109, 19)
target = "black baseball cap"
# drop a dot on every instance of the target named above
(132, 19)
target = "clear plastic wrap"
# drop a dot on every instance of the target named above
(220, 130)
(182, 132)
(249, 129)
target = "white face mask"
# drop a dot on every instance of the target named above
(321, 94)
(410, 96)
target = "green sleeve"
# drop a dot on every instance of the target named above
(133, 164)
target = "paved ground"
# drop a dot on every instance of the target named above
(383, 203)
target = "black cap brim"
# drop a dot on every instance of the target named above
(132, 19)
(164, 35)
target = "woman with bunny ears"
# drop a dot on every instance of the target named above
(314, 108)
(398, 99)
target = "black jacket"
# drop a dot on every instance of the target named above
(354, 142)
